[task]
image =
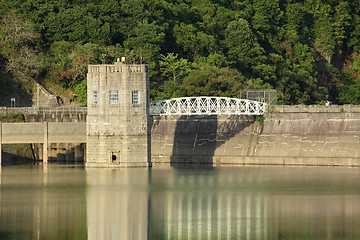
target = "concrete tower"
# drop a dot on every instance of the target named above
(118, 131)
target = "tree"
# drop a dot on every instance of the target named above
(17, 40)
(354, 40)
(174, 68)
(356, 65)
(169, 90)
(67, 62)
(214, 81)
(81, 91)
(299, 23)
(341, 24)
(325, 41)
(145, 40)
(243, 47)
(214, 59)
(302, 55)
(273, 43)
(267, 14)
(193, 41)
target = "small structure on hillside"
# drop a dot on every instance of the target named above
(268, 96)
(43, 98)
(118, 130)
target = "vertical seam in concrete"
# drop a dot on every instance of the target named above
(45, 144)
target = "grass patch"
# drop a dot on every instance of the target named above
(260, 119)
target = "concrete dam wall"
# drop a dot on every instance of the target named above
(299, 138)
(289, 135)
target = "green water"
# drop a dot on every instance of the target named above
(64, 202)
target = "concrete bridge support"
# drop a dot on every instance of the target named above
(43, 134)
(66, 152)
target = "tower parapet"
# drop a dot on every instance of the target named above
(118, 131)
(118, 67)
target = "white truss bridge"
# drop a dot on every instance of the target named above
(207, 106)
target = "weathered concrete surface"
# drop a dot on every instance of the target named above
(310, 139)
(283, 138)
(57, 132)
(314, 108)
(118, 116)
(292, 138)
(43, 98)
(31, 114)
(45, 133)
(200, 139)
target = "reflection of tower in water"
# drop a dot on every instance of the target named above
(117, 204)
(220, 203)
(179, 205)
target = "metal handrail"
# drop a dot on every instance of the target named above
(207, 106)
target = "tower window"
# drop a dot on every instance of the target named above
(95, 97)
(114, 97)
(135, 97)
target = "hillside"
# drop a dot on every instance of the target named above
(307, 50)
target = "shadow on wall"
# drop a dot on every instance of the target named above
(197, 137)
(13, 159)
(67, 154)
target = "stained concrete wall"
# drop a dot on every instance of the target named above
(43, 98)
(314, 108)
(31, 114)
(118, 131)
(195, 139)
(283, 138)
(310, 139)
(56, 132)
(45, 134)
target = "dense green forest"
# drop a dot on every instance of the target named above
(308, 50)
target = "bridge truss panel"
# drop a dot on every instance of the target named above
(207, 106)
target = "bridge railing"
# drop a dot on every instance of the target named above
(207, 106)
(33, 110)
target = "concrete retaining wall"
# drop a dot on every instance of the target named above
(54, 132)
(43, 98)
(194, 139)
(314, 108)
(317, 138)
(288, 136)
(44, 133)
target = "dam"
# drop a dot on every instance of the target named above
(288, 135)
(122, 128)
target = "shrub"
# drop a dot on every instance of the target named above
(260, 119)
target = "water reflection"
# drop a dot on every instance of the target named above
(181, 203)
(256, 203)
(40, 204)
(204, 206)
(118, 203)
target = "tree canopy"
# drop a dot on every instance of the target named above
(309, 51)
